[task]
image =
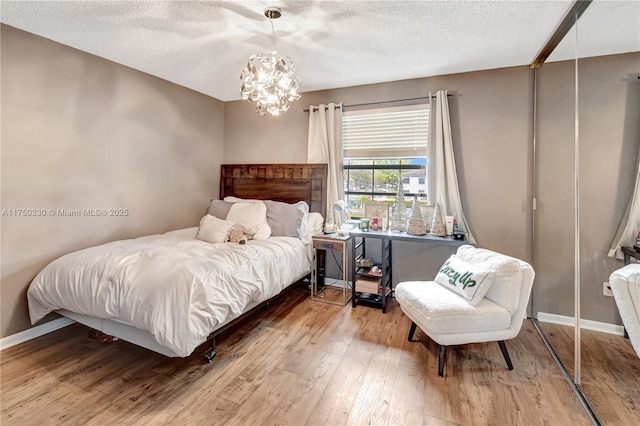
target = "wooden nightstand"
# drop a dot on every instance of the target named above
(338, 292)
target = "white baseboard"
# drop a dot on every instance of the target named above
(602, 327)
(32, 333)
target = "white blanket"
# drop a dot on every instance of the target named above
(172, 285)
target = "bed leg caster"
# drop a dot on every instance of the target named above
(210, 355)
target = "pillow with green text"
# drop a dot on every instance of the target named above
(469, 281)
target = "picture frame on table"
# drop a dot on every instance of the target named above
(379, 210)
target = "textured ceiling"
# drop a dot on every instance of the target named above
(203, 45)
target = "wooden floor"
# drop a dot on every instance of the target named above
(610, 371)
(301, 362)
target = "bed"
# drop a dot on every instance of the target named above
(172, 292)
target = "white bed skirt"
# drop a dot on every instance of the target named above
(130, 333)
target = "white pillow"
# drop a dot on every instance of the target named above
(214, 230)
(507, 281)
(252, 216)
(315, 224)
(470, 281)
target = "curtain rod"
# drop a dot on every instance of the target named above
(379, 103)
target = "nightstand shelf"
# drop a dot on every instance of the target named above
(370, 288)
(365, 273)
(338, 294)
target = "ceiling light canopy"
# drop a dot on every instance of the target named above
(269, 80)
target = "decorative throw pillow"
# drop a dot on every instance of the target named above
(252, 216)
(287, 220)
(469, 281)
(505, 290)
(213, 230)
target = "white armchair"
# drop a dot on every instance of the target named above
(625, 285)
(478, 296)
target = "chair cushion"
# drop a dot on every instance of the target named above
(465, 279)
(625, 285)
(437, 310)
(507, 281)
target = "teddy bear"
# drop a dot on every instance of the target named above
(240, 234)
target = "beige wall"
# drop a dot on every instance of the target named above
(82, 132)
(609, 127)
(492, 126)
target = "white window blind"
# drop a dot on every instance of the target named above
(386, 132)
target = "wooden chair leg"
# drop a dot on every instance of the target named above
(443, 350)
(505, 354)
(411, 331)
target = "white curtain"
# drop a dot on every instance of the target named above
(442, 168)
(630, 223)
(325, 146)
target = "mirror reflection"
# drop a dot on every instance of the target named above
(608, 45)
(600, 113)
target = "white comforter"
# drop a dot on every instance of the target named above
(172, 285)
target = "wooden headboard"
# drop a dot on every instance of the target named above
(288, 183)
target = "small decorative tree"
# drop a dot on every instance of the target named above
(437, 226)
(416, 221)
(399, 219)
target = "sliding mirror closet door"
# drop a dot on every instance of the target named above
(608, 46)
(587, 143)
(554, 220)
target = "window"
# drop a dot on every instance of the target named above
(381, 148)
